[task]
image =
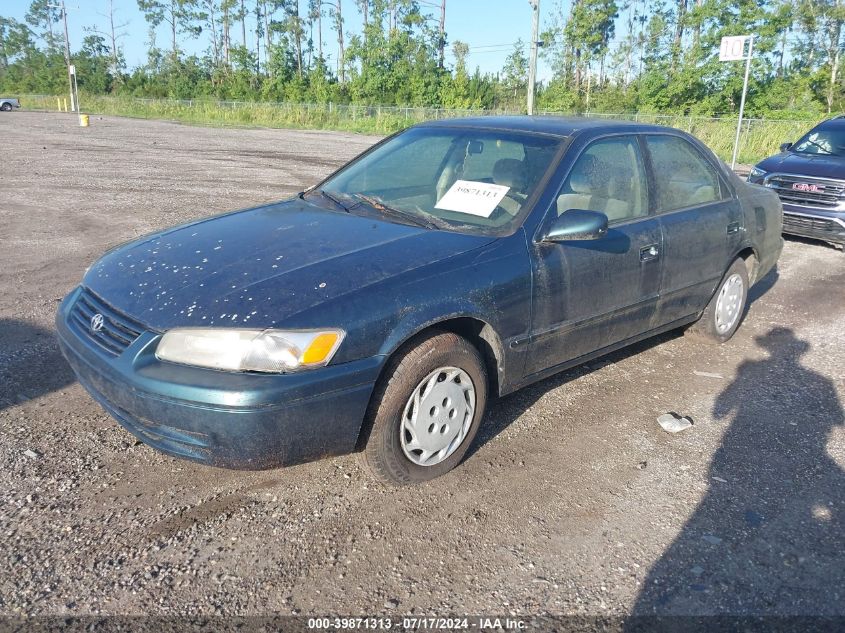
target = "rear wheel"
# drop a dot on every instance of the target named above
(426, 410)
(6, 107)
(722, 316)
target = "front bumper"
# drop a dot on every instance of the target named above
(815, 223)
(231, 420)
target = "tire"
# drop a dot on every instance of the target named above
(728, 302)
(435, 367)
(6, 107)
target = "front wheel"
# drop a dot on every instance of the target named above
(426, 410)
(6, 107)
(722, 316)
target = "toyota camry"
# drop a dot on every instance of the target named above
(381, 310)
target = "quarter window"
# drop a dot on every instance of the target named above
(609, 178)
(682, 175)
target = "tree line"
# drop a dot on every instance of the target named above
(605, 55)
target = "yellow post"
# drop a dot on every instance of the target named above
(58, 104)
(83, 120)
(65, 102)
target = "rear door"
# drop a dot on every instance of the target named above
(701, 221)
(589, 295)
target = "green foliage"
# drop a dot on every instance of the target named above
(591, 25)
(514, 79)
(637, 56)
(44, 17)
(668, 56)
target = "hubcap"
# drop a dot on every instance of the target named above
(729, 303)
(437, 416)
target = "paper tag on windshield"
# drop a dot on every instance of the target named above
(474, 198)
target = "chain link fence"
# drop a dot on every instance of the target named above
(759, 137)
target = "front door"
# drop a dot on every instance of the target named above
(591, 294)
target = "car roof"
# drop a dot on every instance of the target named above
(835, 122)
(554, 125)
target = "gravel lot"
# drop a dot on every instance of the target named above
(573, 501)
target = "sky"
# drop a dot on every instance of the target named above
(490, 27)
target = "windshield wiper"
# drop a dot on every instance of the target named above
(420, 218)
(333, 198)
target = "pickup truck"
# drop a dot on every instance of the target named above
(7, 103)
(809, 178)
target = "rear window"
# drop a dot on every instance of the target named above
(684, 178)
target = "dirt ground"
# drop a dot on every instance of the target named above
(573, 500)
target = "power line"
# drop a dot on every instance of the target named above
(480, 46)
(486, 52)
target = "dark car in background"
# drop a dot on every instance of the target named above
(809, 178)
(380, 310)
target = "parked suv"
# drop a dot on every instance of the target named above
(809, 177)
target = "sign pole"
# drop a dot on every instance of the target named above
(75, 89)
(742, 100)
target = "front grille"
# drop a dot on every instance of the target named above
(118, 332)
(829, 193)
(799, 222)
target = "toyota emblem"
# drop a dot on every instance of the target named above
(97, 322)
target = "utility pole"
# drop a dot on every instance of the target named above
(71, 71)
(340, 54)
(442, 41)
(320, 32)
(535, 43)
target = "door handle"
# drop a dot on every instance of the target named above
(647, 253)
(734, 227)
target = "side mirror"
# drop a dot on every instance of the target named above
(577, 224)
(784, 147)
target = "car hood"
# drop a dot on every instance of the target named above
(257, 267)
(818, 165)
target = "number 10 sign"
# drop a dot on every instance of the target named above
(732, 48)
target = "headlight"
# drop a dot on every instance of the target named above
(756, 173)
(272, 351)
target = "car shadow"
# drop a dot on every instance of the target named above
(759, 289)
(811, 241)
(509, 408)
(768, 537)
(31, 364)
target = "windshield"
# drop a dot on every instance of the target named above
(829, 141)
(458, 179)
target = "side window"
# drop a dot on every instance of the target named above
(682, 175)
(608, 177)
